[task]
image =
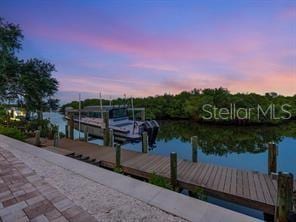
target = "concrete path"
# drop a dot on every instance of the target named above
(136, 200)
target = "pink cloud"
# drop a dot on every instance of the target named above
(252, 54)
(288, 13)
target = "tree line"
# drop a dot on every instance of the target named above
(190, 105)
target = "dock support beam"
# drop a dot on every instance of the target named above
(37, 138)
(111, 138)
(194, 148)
(106, 137)
(144, 142)
(86, 134)
(56, 140)
(106, 129)
(284, 197)
(106, 119)
(66, 131)
(71, 124)
(118, 155)
(173, 158)
(272, 158)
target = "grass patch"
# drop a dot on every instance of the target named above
(118, 170)
(12, 132)
(199, 193)
(159, 181)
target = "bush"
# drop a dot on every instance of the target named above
(159, 181)
(12, 132)
(46, 128)
(199, 193)
(41, 125)
(118, 170)
(62, 135)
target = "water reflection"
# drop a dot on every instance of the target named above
(222, 140)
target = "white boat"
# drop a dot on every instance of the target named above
(124, 129)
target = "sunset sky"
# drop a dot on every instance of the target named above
(146, 48)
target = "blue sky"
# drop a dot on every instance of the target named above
(146, 48)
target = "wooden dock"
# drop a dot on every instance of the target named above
(248, 188)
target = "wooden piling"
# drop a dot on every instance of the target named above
(106, 137)
(144, 142)
(194, 148)
(66, 131)
(71, 124)
(111, 138)
(56, 140)
(272, 158)
(86, 134)
(173, 160)
(118, 155)
(284, 197)
(106, 129)
(106, 119)
(37, 138)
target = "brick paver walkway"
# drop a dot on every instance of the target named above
(25, 196)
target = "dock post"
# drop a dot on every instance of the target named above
(86, 134)
(66, 131)
(106, 129)
(37, 138)
(106, 137)
(144, 142)
(194, 148)
(111, 138)
(118, 155)
(173, 158)
(284, 197)
(71, 124)
(106, 119)
(272, 158)
(56, 140)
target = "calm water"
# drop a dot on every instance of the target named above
(237, 147)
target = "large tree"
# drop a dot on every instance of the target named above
(38, 85)
(10, 42)
(29, 82)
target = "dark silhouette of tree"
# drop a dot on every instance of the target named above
(26, 82)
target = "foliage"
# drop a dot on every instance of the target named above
(118, 170)
(3, 114)
(26, 82)
(52, 130)
(199, 193)
(38, 85)
(159, 181)
(189, 105)
(12, 132)
(62, 135)
(10, 43)
(43, 125)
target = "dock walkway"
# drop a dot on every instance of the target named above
(252, 189)
(110, 196)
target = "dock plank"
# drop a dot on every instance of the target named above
(246, 190)
(233, 185)
(227, 181)
(239, 182)
(222, 179)
(258, 188)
